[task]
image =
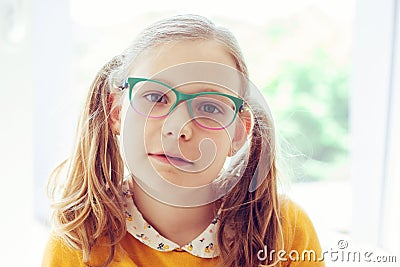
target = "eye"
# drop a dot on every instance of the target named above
(210, 108)
(156, 98)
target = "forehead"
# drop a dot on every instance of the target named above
(190, 63)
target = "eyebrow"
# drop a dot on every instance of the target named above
(208, 89)
(207, 86)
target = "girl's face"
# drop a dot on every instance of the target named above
(179, 150)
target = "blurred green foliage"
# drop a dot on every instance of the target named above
(309, 101)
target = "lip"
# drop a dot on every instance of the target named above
(170, 159)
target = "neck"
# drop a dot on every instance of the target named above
(179, 224)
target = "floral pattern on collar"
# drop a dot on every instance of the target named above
(203, 246)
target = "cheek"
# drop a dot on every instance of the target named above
(155, 141)
(221, 139)
(152, 132)
(223, 142)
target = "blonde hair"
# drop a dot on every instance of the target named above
(91, 206)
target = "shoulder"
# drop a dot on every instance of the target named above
(293, 216)
(299, 232)
(58, 253)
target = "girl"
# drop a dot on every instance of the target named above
(212, 143)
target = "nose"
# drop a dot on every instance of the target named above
(178, 124)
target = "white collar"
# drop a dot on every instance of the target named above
(203, 246)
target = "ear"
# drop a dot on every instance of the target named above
(242, 130)
(115, 107)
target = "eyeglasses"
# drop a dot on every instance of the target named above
(156, 99)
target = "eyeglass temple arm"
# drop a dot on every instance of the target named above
(124, 85)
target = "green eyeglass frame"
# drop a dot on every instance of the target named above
(132, 81)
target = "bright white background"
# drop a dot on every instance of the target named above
(51, 50)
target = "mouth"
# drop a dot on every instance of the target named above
(170, 159)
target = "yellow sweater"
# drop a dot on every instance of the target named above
(299, 236)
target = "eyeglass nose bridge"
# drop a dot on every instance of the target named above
(182, 97)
